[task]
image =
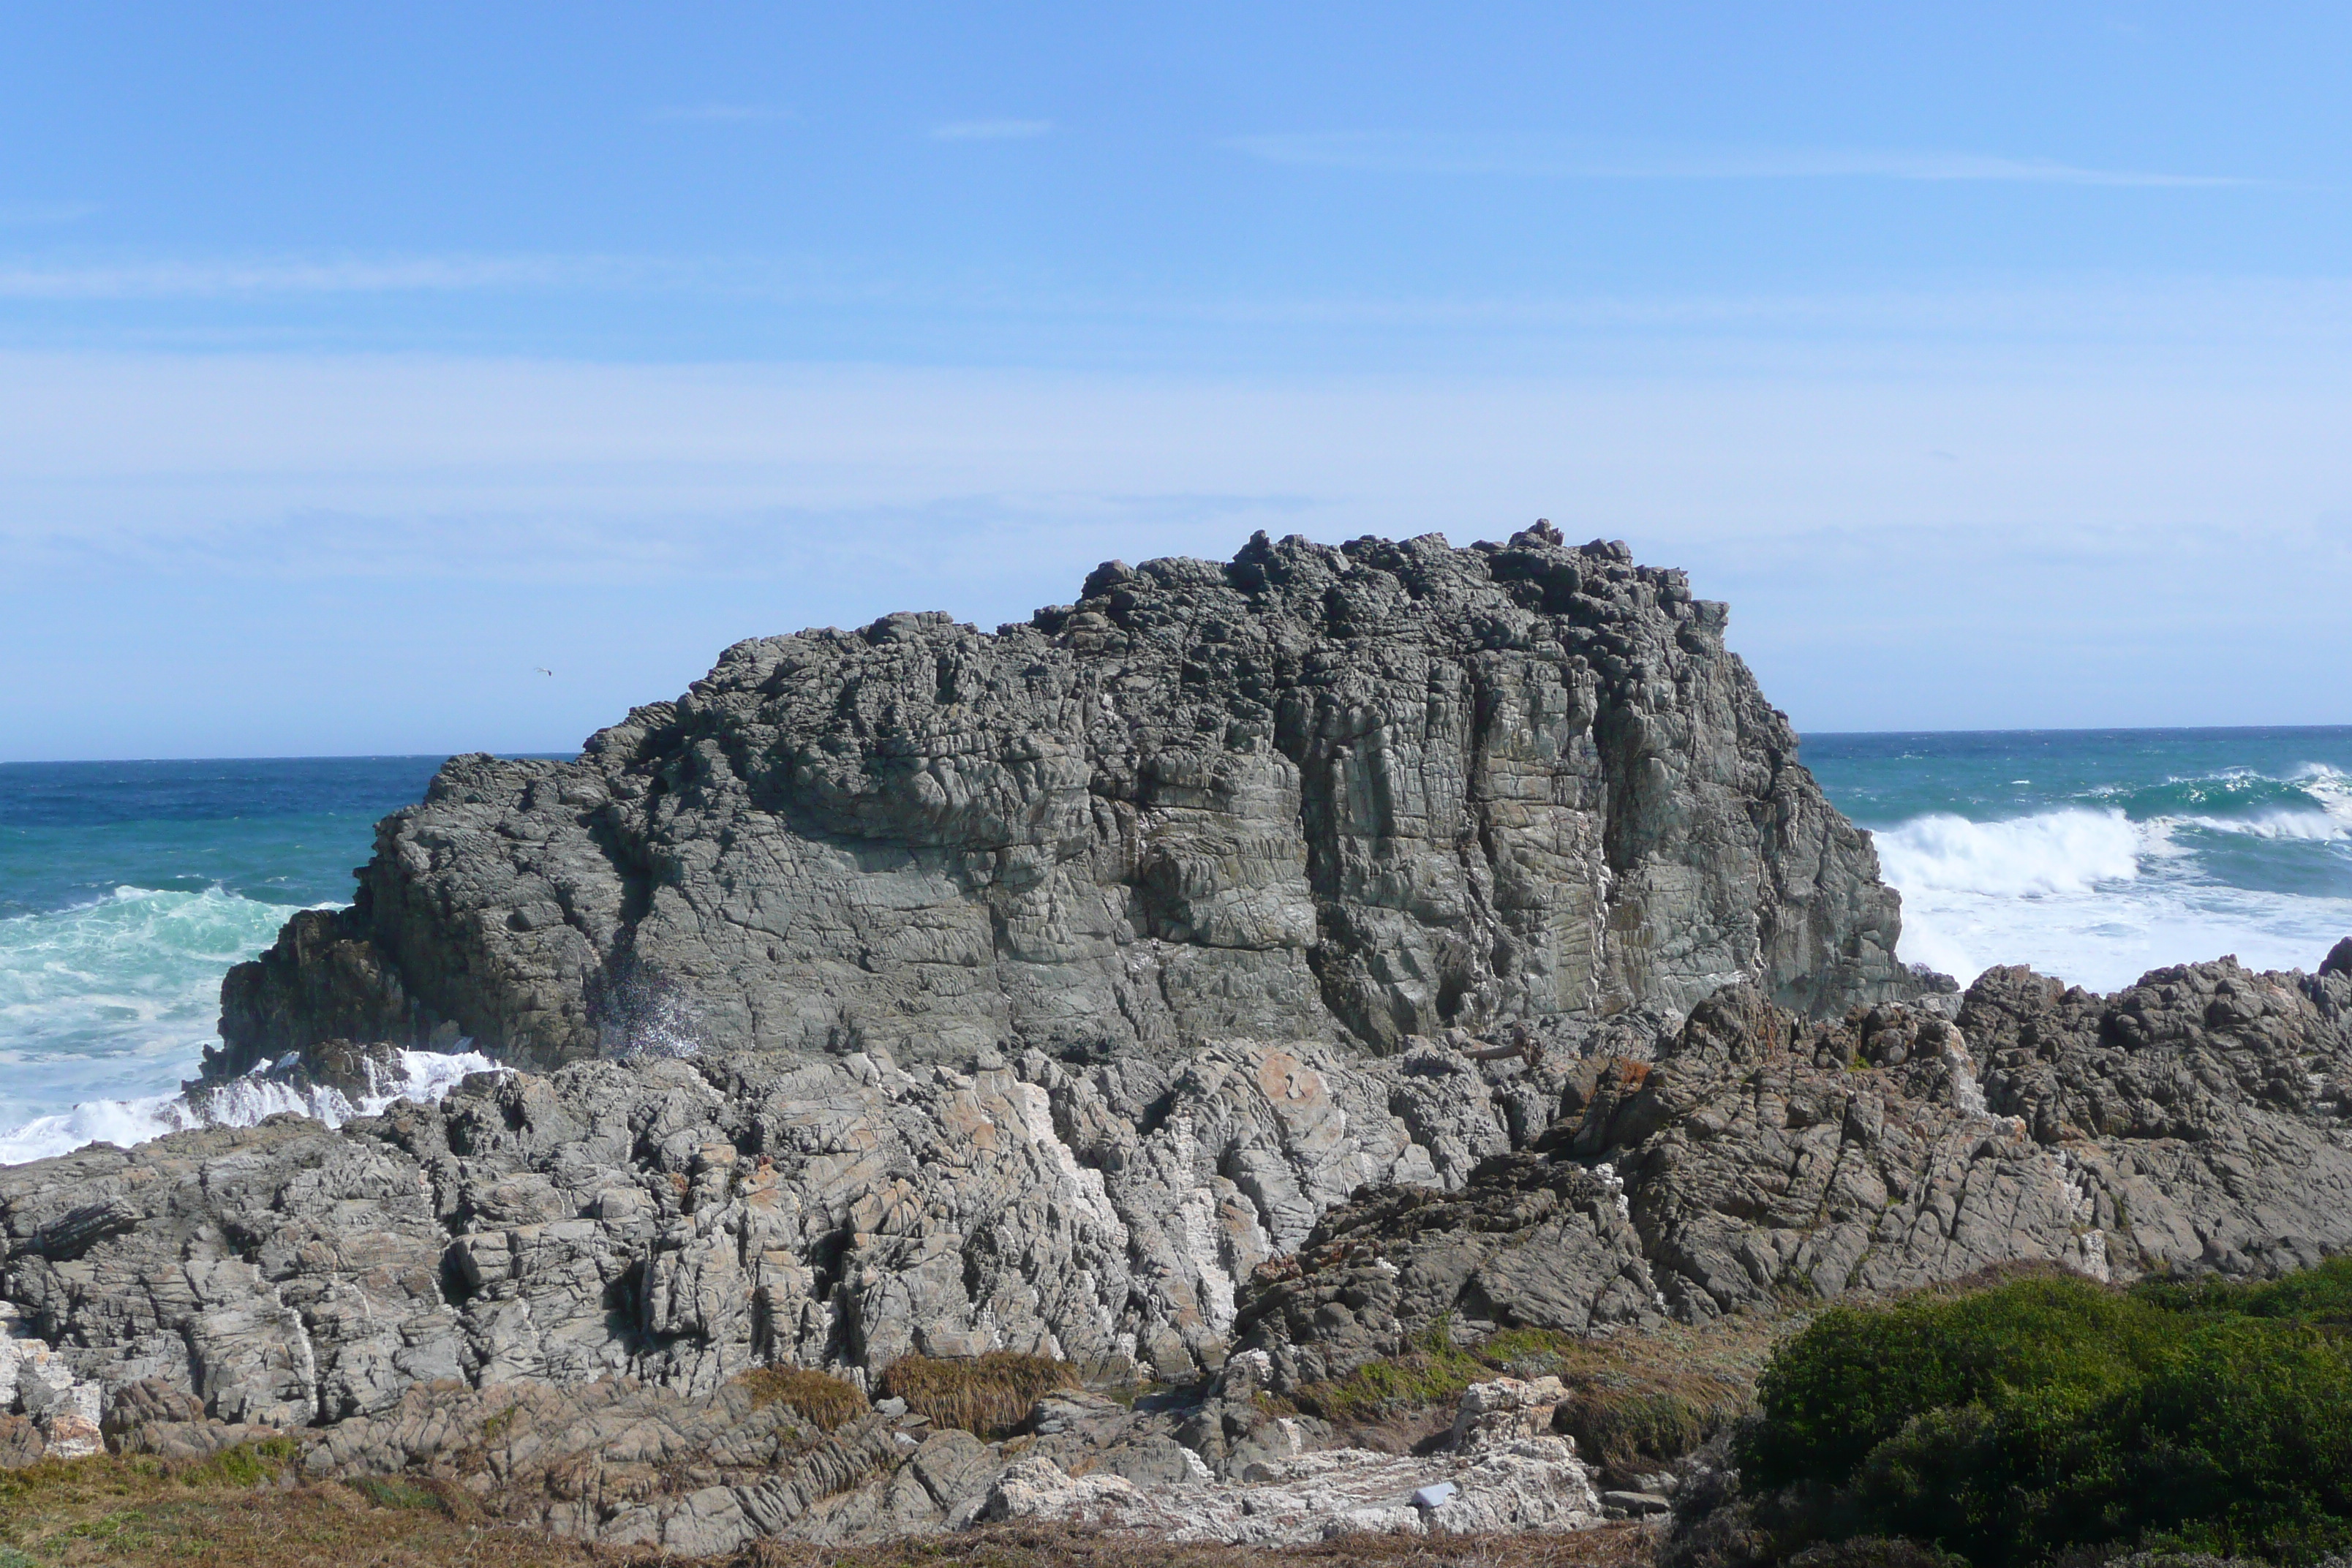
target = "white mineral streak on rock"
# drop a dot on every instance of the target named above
(36, 1381)
(1505, 1473)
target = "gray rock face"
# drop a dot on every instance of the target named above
(1347, 795)
(680, 1223)
(1224, 982)
(605, 1247)
(2200, 1119)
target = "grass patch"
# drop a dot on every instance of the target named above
(2053, 1414)
(243, 1509)
(986, 1395)
(392, 1491)
(247, 1465)
(1632, 1395)
(822, 1401)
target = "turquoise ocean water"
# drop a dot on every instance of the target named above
(127, 889)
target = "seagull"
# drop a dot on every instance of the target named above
(542, 669)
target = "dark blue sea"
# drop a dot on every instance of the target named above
(127, 889)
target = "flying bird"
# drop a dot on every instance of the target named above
(542, 669)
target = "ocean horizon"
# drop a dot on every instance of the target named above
(128, 888)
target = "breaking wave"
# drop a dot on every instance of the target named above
(2070, 851)
(2127, 879)
(106, 1006)
(423, 1076)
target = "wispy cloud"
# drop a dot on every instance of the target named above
(201, 280)
(718, 114)
(1416, 153)
(41, 214)
(990, 130)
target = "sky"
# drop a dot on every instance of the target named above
(360, 365)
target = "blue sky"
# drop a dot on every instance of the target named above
(355, 364)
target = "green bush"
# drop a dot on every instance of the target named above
(2053, 1414)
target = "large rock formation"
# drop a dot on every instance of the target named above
(1223, 983)
(640, 1234)
(1347, 795)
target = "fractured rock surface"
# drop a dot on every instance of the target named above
(2200, 1119)
(1222, 983)
(1311, 794)
(681, 1222)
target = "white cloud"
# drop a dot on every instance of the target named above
(202, 278)
(44, 215)
(2146, 538)
(990, 130)
(718, 114)
(1417, 152)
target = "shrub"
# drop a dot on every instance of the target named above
(392, 1491)
(989, 1394)
(246, 1465)
(2050, 1414)
(1629, 1396)
(822, 1401)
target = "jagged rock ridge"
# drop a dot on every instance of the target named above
(1353, 794)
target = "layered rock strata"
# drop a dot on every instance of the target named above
(1348, 794)
(2199, 1121)
(1235, 978)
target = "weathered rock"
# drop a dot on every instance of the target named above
(46, 1410)
(2200, 1119)
(1224, 982)
(1504, 1472)
(1312, 793)
(1531, 1242)
(680, 1223)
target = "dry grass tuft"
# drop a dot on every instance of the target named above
(988, 1395)
(822, 1401)
(1065, 1546)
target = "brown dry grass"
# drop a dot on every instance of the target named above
(247, 1510)
(824, 1402)
(988, 1395)
(1632, 1396)
(1060, 1546)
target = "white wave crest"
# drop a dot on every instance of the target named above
(2326, 827)
(2069, 851)
(423, 1076)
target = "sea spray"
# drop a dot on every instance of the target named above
(2054, 852)
(2098, 857)
(426, 1076)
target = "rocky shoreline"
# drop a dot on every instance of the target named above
(1247, 978)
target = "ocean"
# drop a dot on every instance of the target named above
(127, 889)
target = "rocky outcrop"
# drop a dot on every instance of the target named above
(681, 1222)
(1347, 795)
(2199, 1121)
(1244, 974)
(655, 1229)
(1502, 1471)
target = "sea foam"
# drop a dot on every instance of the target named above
(2067, 851)
(2097, 898)
(423, 1076)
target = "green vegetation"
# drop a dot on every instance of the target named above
(822, 1401)
(988, 1395)
(392, 1491)
(2052, 1413)
(1633, 1395)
